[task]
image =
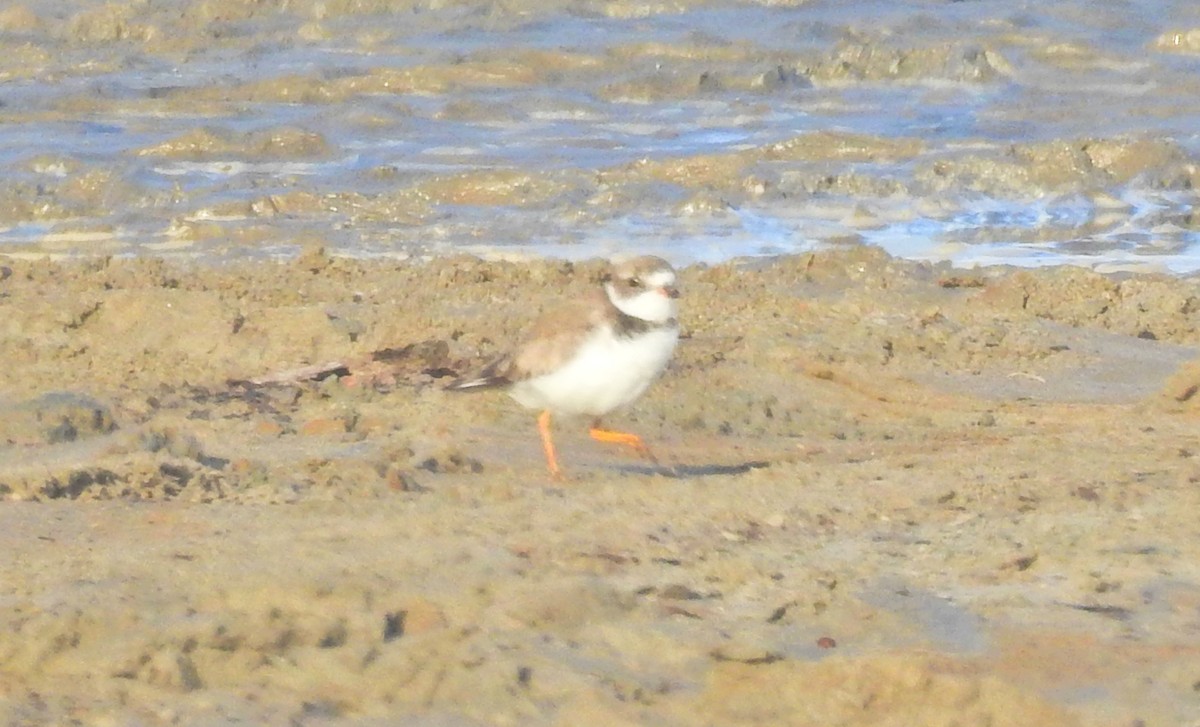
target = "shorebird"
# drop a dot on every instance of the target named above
(592, 355)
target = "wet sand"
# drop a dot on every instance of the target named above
(895, 493)
(975, 132)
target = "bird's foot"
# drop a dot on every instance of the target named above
(632, 441)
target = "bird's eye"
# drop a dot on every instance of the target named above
(635, 282)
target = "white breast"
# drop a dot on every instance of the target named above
(606, 372)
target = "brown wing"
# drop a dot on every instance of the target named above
(557, 334)
(548, 342)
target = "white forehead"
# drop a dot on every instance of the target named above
(659, 278)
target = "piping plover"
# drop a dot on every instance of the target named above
(592, 355)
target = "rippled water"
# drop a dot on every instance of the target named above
(977, 132)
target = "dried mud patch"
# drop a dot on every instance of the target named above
(882, 483)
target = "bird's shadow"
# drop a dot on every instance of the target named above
(685, 471)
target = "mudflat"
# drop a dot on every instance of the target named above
(890, 493)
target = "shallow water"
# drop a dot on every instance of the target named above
(977, 132)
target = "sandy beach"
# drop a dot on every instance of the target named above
(245, 246)
(892, 493)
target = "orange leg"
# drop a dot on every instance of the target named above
(548, 445)
(629, 440)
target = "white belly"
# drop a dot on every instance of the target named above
(606, 373)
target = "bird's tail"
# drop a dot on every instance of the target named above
(477, 382)
(494, 375)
